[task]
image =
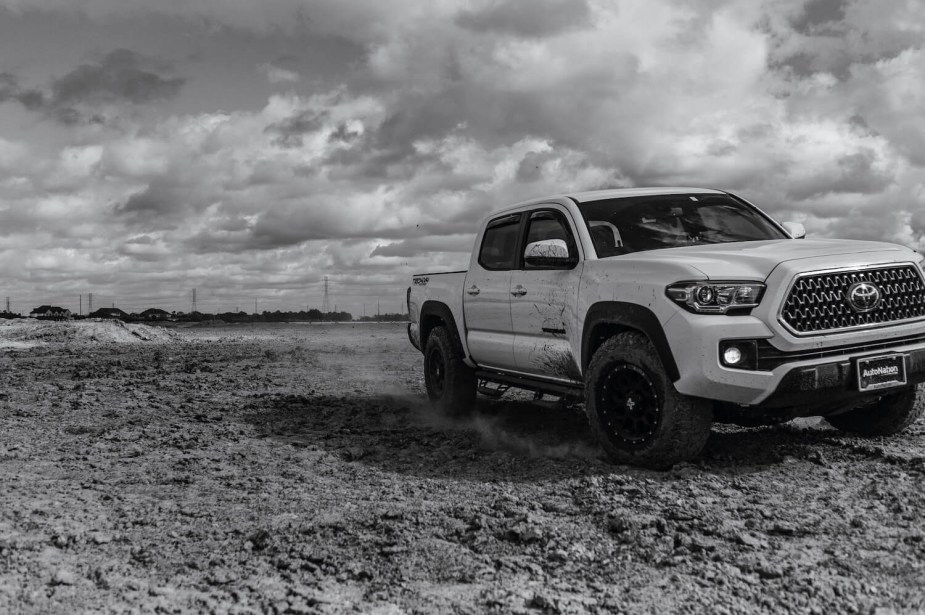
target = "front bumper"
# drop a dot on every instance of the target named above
(820, 371)
(834, 381)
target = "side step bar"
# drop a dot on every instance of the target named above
(530, 384)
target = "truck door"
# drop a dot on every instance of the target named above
(487, 294)
(543, 297)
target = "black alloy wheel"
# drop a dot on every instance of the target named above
(450, 383)
(436, 369)
(634, 409)
(629, 404)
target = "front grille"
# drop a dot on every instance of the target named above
(818, 302)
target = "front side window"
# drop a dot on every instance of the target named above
(499, 243)
(674, 220)
(546, 225)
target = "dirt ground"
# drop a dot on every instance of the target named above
(297, 469)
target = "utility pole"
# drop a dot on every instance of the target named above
(326, 302)
(90, 309)
(194, 301)
(80, 312)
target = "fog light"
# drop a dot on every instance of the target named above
(739, 354)
(732, 356)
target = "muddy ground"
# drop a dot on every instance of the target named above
(297, 469)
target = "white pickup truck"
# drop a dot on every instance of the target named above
(666, 309)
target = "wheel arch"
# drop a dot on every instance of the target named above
(608, 318)
(435, 314)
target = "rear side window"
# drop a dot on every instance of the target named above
(499, 244)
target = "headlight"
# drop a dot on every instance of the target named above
(716, 297)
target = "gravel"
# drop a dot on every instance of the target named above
(298, 469)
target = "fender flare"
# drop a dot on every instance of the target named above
(627, 316)
(442, 312)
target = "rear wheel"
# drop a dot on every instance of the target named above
(886, 415)
(635, 411)
(450, 383)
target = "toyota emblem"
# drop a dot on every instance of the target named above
(863, 296)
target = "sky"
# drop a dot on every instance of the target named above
(249, 150)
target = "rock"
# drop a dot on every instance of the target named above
(162, 590)
(260, 540)
(783, 528)
(221, 576)
(745, 538)
(541, 602)
(524, 533)
(619, 524)
(768, 570)
(100, 538)
(63, 576)
(818, 458)
(354, 453)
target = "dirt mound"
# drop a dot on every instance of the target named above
(25, 333)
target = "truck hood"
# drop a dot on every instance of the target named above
(755, 260)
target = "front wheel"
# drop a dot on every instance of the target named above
(886, 415)
(450, 383)
(635, 411)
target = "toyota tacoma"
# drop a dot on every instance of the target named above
(667, 309)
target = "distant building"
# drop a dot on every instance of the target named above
(109, 313)
(50, 312)
(155, 314)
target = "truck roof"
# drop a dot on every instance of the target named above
(617, 193)
(614, 193)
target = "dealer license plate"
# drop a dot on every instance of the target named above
(881, 372)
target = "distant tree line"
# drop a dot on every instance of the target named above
(312, 315)
(389, 317)
(153, 314)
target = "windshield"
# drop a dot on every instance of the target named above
(634, 224)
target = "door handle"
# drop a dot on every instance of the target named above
(519, 291)
(473, 290)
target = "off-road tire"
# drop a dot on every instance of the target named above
(450, 383)
(886, 416)
(628, 367)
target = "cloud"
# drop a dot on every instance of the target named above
(820, 13)
(358, 18)
(278, 75)
(425, 245)
(452, 109)
(838, 36)
(92, 92)
(538, 18)
(121, 77)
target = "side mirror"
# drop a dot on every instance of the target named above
(795, 229)
(548, 253)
